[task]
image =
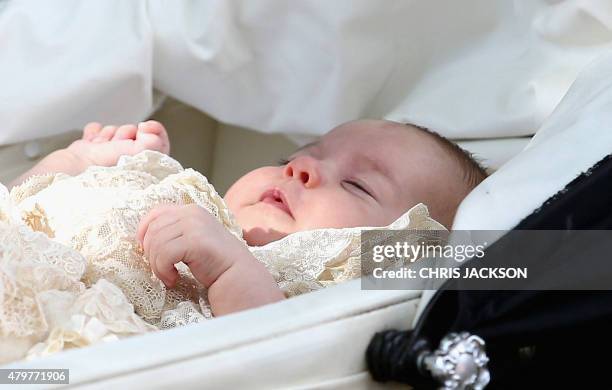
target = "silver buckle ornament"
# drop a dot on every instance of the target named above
(459, 363)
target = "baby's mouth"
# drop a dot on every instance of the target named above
(276, 198)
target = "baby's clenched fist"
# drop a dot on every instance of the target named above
(170, 234)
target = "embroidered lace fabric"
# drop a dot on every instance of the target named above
(72, 273)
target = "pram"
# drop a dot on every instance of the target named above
(319, 340)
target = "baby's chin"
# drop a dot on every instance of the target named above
(263, 224)
(259, 236)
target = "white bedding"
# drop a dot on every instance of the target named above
(282, 345)
(576, 136)
(469, 69)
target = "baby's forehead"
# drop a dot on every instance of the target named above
(373, 138)
(391, 143)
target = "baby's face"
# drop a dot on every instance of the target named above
(363, 173)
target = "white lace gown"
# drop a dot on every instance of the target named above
(72, 273)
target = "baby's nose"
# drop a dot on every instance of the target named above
(305, 169)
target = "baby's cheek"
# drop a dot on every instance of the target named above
(232, 200)
(247, 190)
(344, 214)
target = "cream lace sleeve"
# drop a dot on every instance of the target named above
(97, 214)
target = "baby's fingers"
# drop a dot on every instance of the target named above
(153, 214)
(166, 256)
(164, 250)
(125, 132)
(105, 134)
(91, 130)
(153, 136)
(157, 234)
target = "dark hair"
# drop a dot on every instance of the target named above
(473, 171)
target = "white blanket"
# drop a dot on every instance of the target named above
(470, 69)
(576, 136)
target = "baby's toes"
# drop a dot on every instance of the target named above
(153, 136)
(125, 132)
(91, 130)
(105, 134)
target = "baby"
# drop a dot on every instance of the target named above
(362, 173)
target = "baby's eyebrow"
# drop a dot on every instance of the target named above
(307, 146)
(377, 166)
(381, 169)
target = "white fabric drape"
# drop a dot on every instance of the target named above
(469, 69)
(575, 137)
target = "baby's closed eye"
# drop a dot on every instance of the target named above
(356, 186)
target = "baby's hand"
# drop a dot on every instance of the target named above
(104, 145)
(170, 234)
(235, 279)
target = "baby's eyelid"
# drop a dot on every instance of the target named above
(361, 188)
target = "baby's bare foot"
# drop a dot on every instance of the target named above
(103, 145)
